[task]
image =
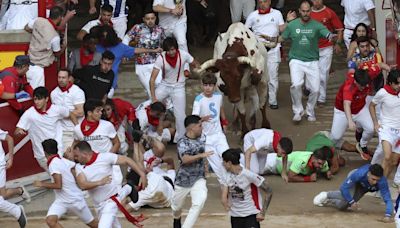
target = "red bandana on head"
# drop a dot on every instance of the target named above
(85, 57)
(66, 88)
(390, 90)
(88, 127)
(49, 159)
(152, 120)
(264, 11)
(45, 111)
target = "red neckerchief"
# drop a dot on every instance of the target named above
(266, 11)
(92, 159)
(151, 160)
(275, 141)
(390, 90)
(113, 119)
(109, 23)
(310, 164)
(152, 120)
(88, 127)
(52, 23)
(49, 159)
(172, 60)
(85, 58)
(45, 111)
(66, 88)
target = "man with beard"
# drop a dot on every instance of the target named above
(303, 59)
(104, 19)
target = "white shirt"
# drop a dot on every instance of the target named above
(261, 139)
(54, 43)
(100, 139)
(141, 115)
(171, 74)
(168, 20)
(43, 126)
(100, 168)
(118, 12)
(17, 16)
(266, 24)
(390, 111)
(356, 12)
(240, 192)
(204, 106)
(74, 96)
(70, 192)
(3, 135)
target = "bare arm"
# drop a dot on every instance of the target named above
(123, 160)
(92, 6)
(153, 78)
(188, 159)
(57, 184)
(87, 185)
(10, 145)
(147, 50)
(26, 28)
(267, 196)
(371, 16)
(116, 144)
(284, 174)
(78, 111)
(81, 34)
(162, 9)
(334, 166)
(352, 50)
(138, 154)
(372, 111)
(224, 198)
(347, 111)
(247, 156)
(294, 177)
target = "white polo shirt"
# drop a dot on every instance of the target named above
(168, 20)
(356, 12)
(390, 111)
(173, 75)
(100, 139)
(43, 126)
(240, 192)
(266, 24)
(262, 140)
(74, 96)
(70, 192)
(204, 106)
(100, 168)
(3, 135)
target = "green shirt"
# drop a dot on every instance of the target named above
(304, 39)
(297, 163)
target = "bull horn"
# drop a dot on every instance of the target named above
(207, 64)
(246, 60)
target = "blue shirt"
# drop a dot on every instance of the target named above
(120, 51)
(360, 176)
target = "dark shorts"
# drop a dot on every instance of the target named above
(245, 222)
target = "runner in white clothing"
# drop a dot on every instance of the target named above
(171, 63)
(237, 192)
(356, 12)
(209, 106)
(71, 96)
(68, 197)
(43, 121)
(268, 21)
(94, 176)
(5, 193)
(388, 126)
(100, 134)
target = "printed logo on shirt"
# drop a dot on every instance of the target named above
(236, 193)
(92, 138)
(297, 31)
(212, 110)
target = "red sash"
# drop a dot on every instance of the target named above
(134, 220)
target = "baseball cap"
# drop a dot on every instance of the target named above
(23, 60)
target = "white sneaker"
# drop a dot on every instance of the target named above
(320, 199)
(311, 118)
(297, 117)
(25, 194)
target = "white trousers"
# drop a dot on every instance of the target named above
(178, 97)
(143, 73)
(35, 76)
(198, 193)
(10, 208)
(241, 7)
(120, 26)
(346, 37)
(299, 70)
(218, 144)
(340, 123)
(274, 58)
(392, 136)
(325, 61)
(107, 211)
(79, 208)
(179, 32)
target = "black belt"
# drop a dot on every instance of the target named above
(169, 181)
